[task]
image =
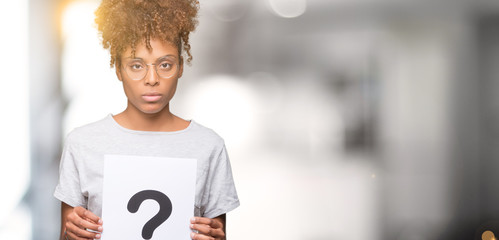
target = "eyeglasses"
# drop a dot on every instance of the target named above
(166, 67)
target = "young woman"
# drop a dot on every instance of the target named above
(146, 39)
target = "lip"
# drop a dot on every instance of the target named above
(151, 97)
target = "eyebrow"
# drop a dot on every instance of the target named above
(165, 56)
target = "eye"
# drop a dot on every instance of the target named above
(165, 66)
(135, 66)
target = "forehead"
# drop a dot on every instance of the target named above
(158, 49)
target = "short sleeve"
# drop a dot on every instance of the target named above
(221, 194)
(68, 189)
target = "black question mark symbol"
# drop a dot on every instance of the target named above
(165, 209)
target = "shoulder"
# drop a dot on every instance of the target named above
(89, 131)
(205, 134)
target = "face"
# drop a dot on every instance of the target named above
(152, 93)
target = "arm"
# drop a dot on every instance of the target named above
(76, 221)
(209, 228)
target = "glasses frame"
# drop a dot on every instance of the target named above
(155, 64)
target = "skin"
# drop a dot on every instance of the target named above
(150, 116)
(143, 115)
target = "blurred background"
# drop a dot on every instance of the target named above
(344, 119)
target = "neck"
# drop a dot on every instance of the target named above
(133, 118)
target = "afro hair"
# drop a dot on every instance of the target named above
(124, 23)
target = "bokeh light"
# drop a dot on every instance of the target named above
(288, 8)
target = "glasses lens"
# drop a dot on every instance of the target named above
(166, 68)
(136, 70)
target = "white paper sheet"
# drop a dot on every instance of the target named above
(125, 176)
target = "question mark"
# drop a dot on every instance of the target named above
(165, 209)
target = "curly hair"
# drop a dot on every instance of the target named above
(124, 23)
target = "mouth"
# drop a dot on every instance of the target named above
(151, 97)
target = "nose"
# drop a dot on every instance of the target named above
(151, 77)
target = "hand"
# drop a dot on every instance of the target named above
(79, 221)
(208, 228)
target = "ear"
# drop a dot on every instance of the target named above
(118, 72)
(181, 67)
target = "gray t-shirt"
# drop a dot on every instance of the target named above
(82, 163)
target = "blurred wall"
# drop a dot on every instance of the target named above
(46, 111)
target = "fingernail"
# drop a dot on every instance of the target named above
(192, 235)
(100, 229)
(100, 221)
(193, 220)
(192, 225)
(97, 236)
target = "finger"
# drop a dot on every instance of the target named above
(85, 214)
(208, 221)
(207, 230)
(81, 233)
(196, 236)
(72, 236)
(77, 233)
(85, 222)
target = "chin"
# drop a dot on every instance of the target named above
(152, 109)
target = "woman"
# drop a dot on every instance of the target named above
(146, 40)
